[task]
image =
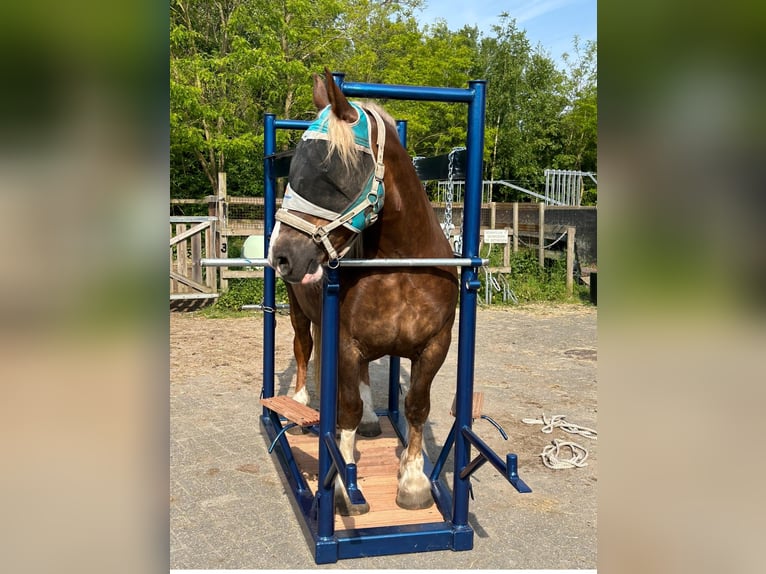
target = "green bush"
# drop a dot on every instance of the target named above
(531, 283)
(246, 292)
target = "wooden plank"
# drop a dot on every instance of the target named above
(255, 274)
(189, 232)
(186, 201)
(477, 407)
(173, 282)
(189, 282)
(570, 259)
(196, 255)
(292, 410)
(181, 258)
(192, 296)
(209, 250)
(541, 236)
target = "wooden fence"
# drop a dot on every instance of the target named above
(191, 239)
(195, 237)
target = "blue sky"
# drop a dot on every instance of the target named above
(552, 23)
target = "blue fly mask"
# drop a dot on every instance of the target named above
(320, 185)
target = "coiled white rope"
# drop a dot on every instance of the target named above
(557, 421)
(550, 454)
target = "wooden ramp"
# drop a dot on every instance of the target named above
(377, 465)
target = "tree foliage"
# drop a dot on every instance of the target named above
(232, 61)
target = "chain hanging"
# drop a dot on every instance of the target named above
(448, 226)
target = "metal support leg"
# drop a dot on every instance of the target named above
(327, 544)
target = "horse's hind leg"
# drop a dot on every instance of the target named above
(414, 489)
(369, 425)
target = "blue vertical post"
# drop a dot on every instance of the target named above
(469, 284)
(401, 128)
(338, 78)
(394, 365)
(269, 276)
(326, 545)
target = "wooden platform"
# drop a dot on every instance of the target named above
(377, 465)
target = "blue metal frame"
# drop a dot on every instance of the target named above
(318, 510)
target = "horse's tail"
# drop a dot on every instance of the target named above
(316, 335)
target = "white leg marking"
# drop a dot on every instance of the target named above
(368, 412)
(302, 396)
(346, 447)
(411, 476)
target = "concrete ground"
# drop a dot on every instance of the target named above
(228, 505)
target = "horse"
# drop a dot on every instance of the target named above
(351, 183)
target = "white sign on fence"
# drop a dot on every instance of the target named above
(495, 236)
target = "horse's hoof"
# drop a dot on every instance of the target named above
(297, 430)
(414, 500)
(370, 430)
(345, 509)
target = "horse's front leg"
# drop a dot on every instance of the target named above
(350, 409)
(414, 488)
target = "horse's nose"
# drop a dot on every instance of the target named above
(283, 265)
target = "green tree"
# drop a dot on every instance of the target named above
(579, 123)
(232, 61)
(524, 105)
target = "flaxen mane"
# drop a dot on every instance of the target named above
(341, 135)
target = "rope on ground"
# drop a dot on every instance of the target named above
(550, 455)
(557, 421)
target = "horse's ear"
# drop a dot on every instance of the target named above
(321, 101)
(340, 106)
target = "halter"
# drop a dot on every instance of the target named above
(362, 211)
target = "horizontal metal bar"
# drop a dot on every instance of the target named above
(346, 472)
(192, 218)
(508, 468)
(260, 307)
(233, 262)
(402, 92)
(528, 192)
(414, 262)
(292, 124)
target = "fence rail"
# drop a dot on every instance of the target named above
(194, 238)
(188, 246)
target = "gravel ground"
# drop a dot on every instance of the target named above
(228, 504)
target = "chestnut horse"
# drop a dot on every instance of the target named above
(350, 179)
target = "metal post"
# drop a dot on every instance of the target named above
(326, 547)
(469, 285)
(401, 127)
(541, 235)
(269, 277)
(394, 364)
(338, 78)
